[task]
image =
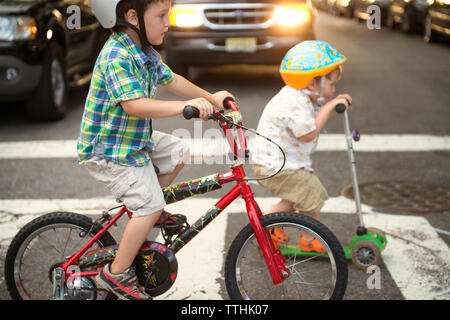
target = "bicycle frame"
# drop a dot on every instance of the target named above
(273, 257)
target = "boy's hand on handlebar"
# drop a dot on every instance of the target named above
(203, 106)
(345, 99)
(218, 98)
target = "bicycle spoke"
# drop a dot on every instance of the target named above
(56, 249)
(65, 246)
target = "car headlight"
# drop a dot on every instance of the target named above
(292, 15)
(185, 17)
(17, 28)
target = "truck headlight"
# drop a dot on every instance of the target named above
(17, 28)
(292, 15)
(185, 17)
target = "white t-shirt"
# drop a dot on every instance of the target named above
(288, 116)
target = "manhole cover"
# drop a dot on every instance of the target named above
(402, 196)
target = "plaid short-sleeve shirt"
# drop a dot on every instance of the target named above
(122, 72)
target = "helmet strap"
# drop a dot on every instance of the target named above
(124, 23)
(141, 31)
(320, 98)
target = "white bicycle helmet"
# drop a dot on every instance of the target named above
(105, 12)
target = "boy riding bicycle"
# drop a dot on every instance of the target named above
(294, 118)
(116, 142)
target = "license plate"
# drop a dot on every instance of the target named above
(240, 44)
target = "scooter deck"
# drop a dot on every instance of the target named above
(294, 250)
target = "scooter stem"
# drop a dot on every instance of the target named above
(351, 157)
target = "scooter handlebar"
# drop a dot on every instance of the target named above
(340, 108)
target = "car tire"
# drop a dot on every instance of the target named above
(430, 35)
(49, 101)
(175, 64)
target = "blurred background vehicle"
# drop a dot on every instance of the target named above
(41, 56)
(437, 21)
(320, 4)
(361, 11)
(228, 32)
(342, 7)
(408, 15)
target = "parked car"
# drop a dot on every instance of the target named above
(361, 11)
(46, 46)
(343, 8)
(229, 32)
(408, 15)
(437, 21)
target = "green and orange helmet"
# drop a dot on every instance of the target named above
(307, 60)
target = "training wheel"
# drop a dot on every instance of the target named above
(365, 254)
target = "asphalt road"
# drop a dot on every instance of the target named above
(398, 83)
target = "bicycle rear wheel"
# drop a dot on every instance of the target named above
(312, 275)
(42, 245)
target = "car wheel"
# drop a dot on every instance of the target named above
(49, 100)
(430, 34)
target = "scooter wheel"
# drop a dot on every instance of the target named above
(365, 254)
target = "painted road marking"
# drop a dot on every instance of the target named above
(212, 147)
(414, 255)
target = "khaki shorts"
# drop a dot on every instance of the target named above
(138, 188)
(299, 187)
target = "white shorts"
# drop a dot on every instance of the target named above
(138, 188)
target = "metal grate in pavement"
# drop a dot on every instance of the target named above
(402, 196)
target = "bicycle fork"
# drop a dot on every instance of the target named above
(274, 258)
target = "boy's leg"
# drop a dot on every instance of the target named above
(170, 155)
(135, 233)
(166, 179)
(281, 206)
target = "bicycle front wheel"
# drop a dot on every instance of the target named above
(313, 275)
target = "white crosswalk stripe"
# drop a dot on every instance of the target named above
(210, 147)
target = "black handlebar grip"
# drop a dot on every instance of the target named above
(340, 108)
(225, 102)
(190, 112)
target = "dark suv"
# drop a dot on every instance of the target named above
(235, 32)
(45, 47)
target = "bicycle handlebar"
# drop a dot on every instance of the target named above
(190, 112)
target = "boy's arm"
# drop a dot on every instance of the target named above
(324, 114)
(152, 108)
(184, 88)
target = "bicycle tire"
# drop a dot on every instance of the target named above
(263, 287)
(27, 234)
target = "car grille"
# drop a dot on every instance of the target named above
(247, 16)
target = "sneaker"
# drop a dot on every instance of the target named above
(312, 245)
(124, 285)
(278, 236)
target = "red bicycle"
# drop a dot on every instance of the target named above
(57, 255)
